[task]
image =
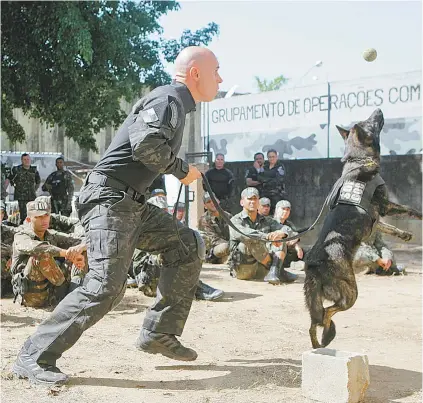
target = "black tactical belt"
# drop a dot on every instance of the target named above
(103, 180)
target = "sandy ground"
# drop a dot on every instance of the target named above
(249, 345)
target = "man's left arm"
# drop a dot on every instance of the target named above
(66, 241)
(37, 179)
(231, 181)
(150, 135)
(70, 189)
(381, 246)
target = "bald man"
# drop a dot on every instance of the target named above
(117, 220)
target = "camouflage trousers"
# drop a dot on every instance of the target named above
(115, 225)
(43, 272)
(22, 210)
(146, 271)
(245, 258)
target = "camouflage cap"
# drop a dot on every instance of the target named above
(156, 192)
(264, 201)
(283, 204)
(181, 206)
(207, 197)
(158, 201)
(40, 206)
(250, 192)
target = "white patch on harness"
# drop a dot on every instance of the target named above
(149, 116)
(352, 192)
(173, 115)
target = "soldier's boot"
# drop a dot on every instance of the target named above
(165, 344)
(44, 374)
(207, 293)
(211, 258)
(277, 274)
(273, 276)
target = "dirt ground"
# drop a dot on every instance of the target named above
(249, 345)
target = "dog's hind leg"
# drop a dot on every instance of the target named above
(348, 300)
(315, 307)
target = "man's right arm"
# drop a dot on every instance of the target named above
(25, 245)
(249, 178)
(47, 184)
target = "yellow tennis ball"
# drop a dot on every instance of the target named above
(370, 55)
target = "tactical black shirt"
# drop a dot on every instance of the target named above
(221, 181)
(149, 140)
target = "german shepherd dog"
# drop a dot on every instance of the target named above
(329, 269)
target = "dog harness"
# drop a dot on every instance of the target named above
(356, 193)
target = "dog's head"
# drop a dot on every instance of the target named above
(362, 140)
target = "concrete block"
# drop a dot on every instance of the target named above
(332, 376)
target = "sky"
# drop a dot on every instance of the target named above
(267, 39)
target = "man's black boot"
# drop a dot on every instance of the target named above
(165, 344)
(44, 374)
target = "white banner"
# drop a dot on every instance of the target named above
(294, 121)
(273, 110)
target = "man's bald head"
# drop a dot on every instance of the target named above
(197, 68)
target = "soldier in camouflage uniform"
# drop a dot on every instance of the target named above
(264, 206)
(215, 232)
(60, 186)
(26, 179)
(117, 219)
(295, 251)
(7, 234)
(374, 256)
(251, 258)
(38, 275)
(4, 181)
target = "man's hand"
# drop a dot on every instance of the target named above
(276, 235)
(300, 252)
(79, 261)
(193, 174)
(74, 251)
(256, 165)
(384, 263)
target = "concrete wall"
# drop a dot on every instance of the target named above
(309, 181)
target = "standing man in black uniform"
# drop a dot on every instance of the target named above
(221, 180)
(60, 186)
(117, 219)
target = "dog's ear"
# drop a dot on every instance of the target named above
(362, 135)
(344, 133)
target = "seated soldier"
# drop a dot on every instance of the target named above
(264, 206)
(8, 231)
(294, 252)
(249, 256)
(180, 212)
(215, 232)
(38, 275)
(146, 266)
(373, 256)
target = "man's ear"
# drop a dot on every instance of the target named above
(241, 202)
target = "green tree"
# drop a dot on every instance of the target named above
(70, 63)
(271, 85)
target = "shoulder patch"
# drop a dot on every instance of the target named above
(281, 171)
(173, 121)
(149, 115)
